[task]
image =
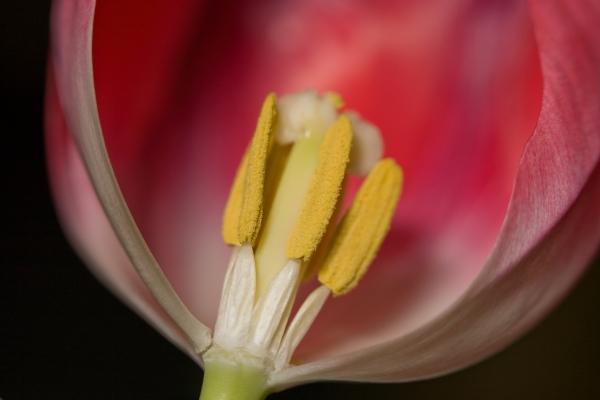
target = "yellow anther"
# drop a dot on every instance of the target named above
(324, 191)
(244, 209)
(362, 229)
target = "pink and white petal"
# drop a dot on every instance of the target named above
(549, 234)
(87, 228)
(72, 51)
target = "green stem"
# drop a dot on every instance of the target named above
(224, 381)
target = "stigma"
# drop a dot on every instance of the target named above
(285, 222)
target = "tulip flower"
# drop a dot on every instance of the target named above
(491, 107)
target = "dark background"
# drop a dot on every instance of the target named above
(62, 335)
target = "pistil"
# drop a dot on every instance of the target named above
(285, 209)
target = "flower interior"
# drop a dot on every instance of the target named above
(284, 222)
(491, 108)
(455, 100)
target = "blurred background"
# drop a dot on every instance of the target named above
(62, 335)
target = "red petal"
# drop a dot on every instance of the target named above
(461, 160)
(549, 234)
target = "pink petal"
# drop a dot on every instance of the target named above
(72, 46)
(548, 236)
(482, 109)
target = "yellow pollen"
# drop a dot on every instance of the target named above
(244, 209)
(362, 229)
(324, 191)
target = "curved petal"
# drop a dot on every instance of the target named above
(80, 210)
(483, 108)
(72, 46)
(549, 234)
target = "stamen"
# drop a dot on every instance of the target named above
(271, 312)
(324, 191)
(300, 325)
(237, 299)
(244, 209)
(362, 229)
(308, 153)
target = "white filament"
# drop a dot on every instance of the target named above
(237, 298)
(300, 325)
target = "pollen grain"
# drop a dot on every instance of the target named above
(244, 208)
(324, 191)
(362, 229)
